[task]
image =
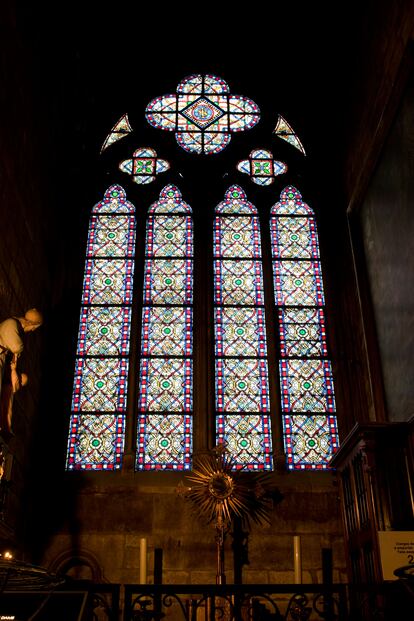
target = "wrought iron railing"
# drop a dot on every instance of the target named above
(235, 602)
(86, 601)
(273, 602)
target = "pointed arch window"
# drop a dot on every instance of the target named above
(164, 440)
(96, 434)
(242, 392)
(306, 383)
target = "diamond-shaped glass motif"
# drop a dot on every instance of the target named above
(202, 112)
(144, 166)
(262, 167)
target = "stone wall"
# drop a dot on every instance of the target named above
(107, 521)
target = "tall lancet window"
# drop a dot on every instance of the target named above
(96, 433)
(165, 404)
(242, 393)
(307, 391)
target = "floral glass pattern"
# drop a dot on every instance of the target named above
(144, 165)
(96, 432)
(262, 167)
(306, 382)
(165, 403)
(203, 114)
(242, 392)
(120, 130)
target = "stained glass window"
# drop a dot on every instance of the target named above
(165, 404)
(203, 114)
(120, 130)
(261, 167)
(284, 131)
(144, 165)
(96, 434)
(242, 391)
(306, 383)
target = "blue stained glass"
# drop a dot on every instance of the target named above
(237, 237)
(111, 236)
(169, 236)
(202, 114)
(306, 381)
(294, 238)
(96, 436)
(310, 441)
(170, 202)
(167, 331)
(108, 281)
(306, 386)
(298, 283)
(104, 331)
(100, 385)
(114, 202)
(235, 202)
(241, 385)
(240, 331)
(238, 282)
(241, 364)
(168, 281)
(302, 332)
(96, 442)
(164, 440)
(248, 439)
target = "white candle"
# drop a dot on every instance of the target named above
(143, 561)
(297, 559)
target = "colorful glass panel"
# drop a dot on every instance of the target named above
(203, 114)
(167, 331)
(110, 237)
(104, 331)
(238, 282)
(302, 332)
(96, 442)
(237, 237)
(144, 165)
(298, 283)
(166, 385)
(240, 331)
(96, 435)
(261, 167)
(306, 385)
(247, 437)
(164, 440)
(310, 441)
(295, 238)
(168, 281)
(169, 236)
(242, 392)
(306, 382)
(241, 385)
(120, 130)
(284, 131)
(108, 282)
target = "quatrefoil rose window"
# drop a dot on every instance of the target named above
(203, 114)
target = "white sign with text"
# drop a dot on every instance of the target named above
(396, 549)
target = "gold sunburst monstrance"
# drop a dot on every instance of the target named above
(219, 493)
